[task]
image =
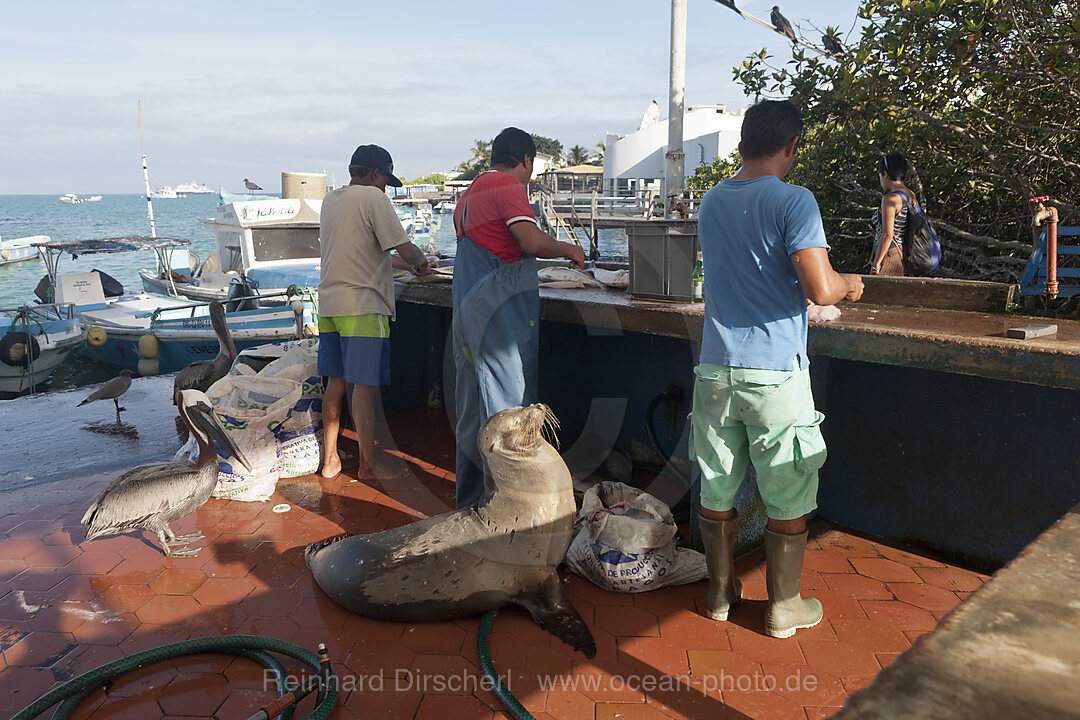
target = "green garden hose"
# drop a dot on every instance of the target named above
(254, 647)
(515, 708)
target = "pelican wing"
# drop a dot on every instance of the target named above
(142, 495)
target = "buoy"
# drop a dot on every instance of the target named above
(148, 348)
(148, 366)
(5, 254)
(95, 335)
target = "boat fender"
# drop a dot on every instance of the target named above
(95, 335)
(5, 254)
(148, 347)
(148, 366)
(13, 349)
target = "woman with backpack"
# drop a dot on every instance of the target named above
(891, 219)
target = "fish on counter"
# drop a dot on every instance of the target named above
(573, 278)
(821, 314)
(437, 275)
(611, 278)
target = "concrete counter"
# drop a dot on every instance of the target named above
(967, 343)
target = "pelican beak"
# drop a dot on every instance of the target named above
(202, 415)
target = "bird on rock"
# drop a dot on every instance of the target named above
(781, 23)
(152, 496)
(112, 390)
(252, 187)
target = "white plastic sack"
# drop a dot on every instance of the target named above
(250, 407)
(300, 435)
(627, 542)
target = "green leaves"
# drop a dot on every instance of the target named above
(982, 95)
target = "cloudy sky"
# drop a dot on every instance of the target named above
(232, 90)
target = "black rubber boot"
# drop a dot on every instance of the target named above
(718, 536)
(787, 610)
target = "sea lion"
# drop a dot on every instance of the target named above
(501, 551)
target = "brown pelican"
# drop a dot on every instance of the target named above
(152, 496)
(298, 316)
(781, 23)
(201, 374)
(112, 390)
(252, 187)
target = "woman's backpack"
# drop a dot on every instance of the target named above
(922, 251)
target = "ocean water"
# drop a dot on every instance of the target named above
(121, 215)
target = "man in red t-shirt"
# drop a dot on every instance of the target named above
(496, 301)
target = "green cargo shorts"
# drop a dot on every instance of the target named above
(766, 417)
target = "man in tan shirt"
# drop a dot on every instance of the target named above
(358, 232)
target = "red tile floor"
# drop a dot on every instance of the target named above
(68, 606)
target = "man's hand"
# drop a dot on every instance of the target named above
(575, 255)
(855, 287)
(422, 269)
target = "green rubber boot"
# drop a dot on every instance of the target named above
(787, 610)
(725, 589)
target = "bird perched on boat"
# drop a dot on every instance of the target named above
(781, 23)
(252, 187)
(730, 4)
(832, 46)
(112, 390)
(201, 374)
(152, 496)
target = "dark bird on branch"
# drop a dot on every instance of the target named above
(781, 23)
(832, 45)
(730, 4)
(250, 185)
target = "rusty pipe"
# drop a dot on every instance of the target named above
(1051, 255)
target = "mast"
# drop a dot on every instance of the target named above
(146, 179)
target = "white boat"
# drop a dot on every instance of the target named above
(36, 339)
(19, 249)
(193, 188)
(270, 244)
(73, 199)
(447, 207)
(419, 221)
(149, 332)
(164, 193)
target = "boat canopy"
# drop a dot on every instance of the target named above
(110, 245)
(163, 248)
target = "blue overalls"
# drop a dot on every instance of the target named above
(496, 339)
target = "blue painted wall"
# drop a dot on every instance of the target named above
(969, 468)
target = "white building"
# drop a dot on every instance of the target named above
(637, 160)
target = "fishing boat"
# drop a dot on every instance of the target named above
(418, 219)
(268, 244)
(164, 193)
(36, 339)
(225, 197)
(19, 249)
(71, 199)
(193, 188)
(152, 332)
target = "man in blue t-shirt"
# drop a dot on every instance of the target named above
(765, 255)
